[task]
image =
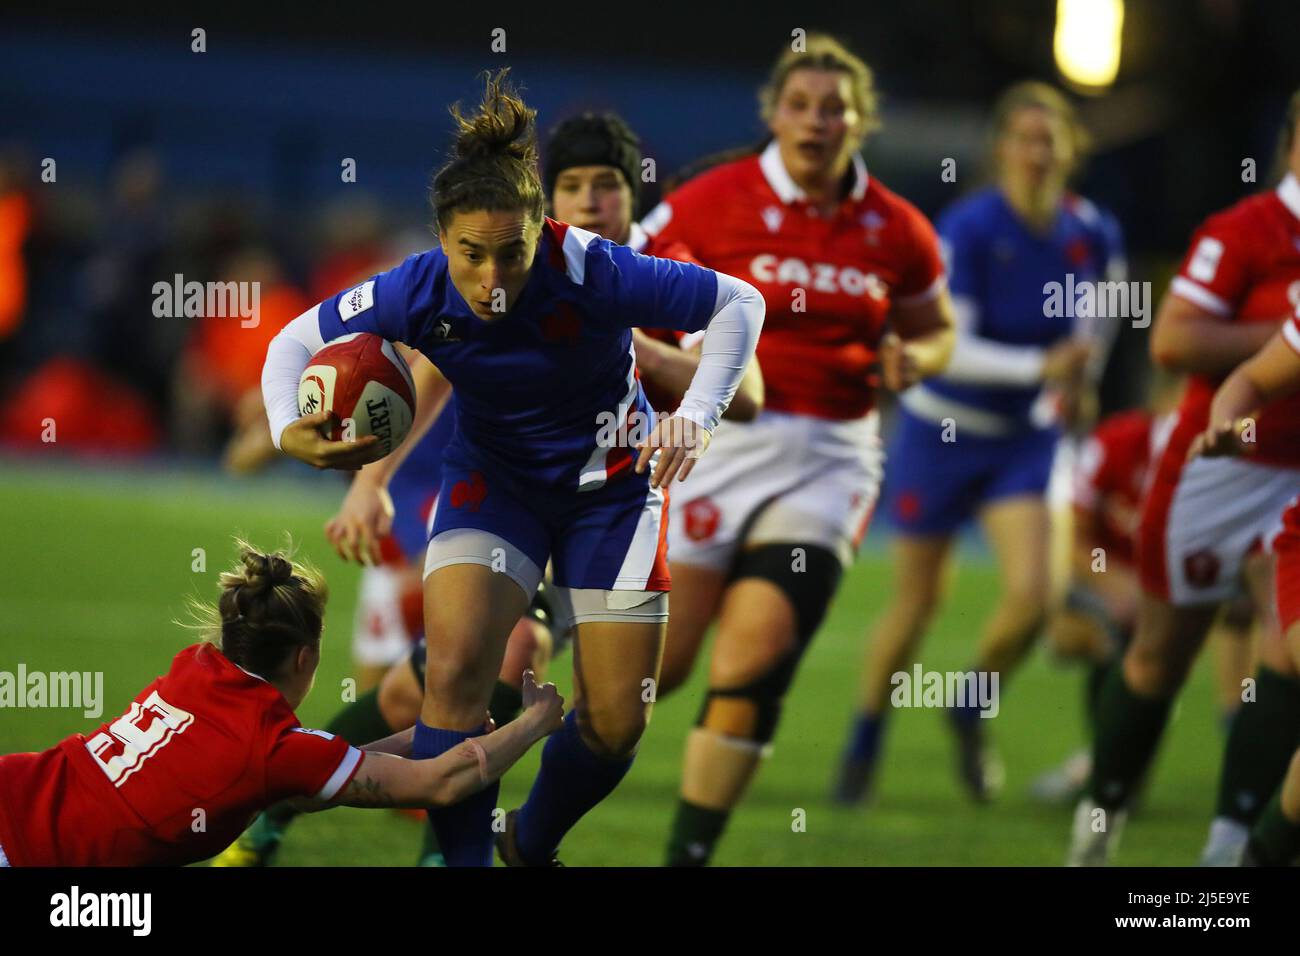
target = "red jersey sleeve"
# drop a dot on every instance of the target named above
(679, 223)
(309, 763)
(1216, 272)
(1089, 474)
(923, 273)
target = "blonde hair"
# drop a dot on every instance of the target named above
(1033, 94)
(823, 52)
(269, 606)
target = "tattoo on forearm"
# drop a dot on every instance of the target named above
(367, 791)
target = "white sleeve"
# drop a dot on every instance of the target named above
(980, 361)
(725, 353)
(286, 357)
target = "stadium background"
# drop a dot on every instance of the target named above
(226, 165)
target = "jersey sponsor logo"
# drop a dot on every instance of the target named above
(820, 276)
(136, 736)
(352, 304)
(1205, 259)
(469, 493)
(772, 217)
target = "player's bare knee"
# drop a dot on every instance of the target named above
(453, 672)
(400, 698)
(613, 733)
(1151, 673)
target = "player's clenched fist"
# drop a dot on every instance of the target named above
(898, 366)
(303, 440)
(542, 704)
(682, 442)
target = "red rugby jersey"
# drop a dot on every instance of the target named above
(661, 400)
(1244, 266)
(173, 780)
(1111, 478)
(749, 219)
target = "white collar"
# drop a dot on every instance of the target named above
(788, 191)
(637, 237)
(1288, 190)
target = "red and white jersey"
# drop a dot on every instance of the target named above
(1244, 266)
(829, 283)
(175, 779)
(1112, 474)
(662, 400)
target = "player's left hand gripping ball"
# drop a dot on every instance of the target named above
(682, 442)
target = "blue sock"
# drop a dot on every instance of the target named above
(966, 715)
(864, 740)
(570, 782)
(465, 829)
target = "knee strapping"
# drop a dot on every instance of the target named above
(807, 575)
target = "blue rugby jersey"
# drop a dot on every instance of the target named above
(533, 387)
(999, 268)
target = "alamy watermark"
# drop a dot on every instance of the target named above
(1088, 299)
(82, 690)
(195, 300)
(922, 688)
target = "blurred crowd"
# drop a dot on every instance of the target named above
(87, 361)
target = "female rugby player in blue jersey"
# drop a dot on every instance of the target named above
(553, 459)
(979, 440)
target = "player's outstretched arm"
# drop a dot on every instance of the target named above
(1271, 373)
(725, 353)
(385, 780)
(920, 343)
(1188, 338)
(671, 369)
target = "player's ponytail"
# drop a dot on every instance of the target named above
(270, 605)
(494, 161)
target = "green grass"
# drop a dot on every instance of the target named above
(95, 564)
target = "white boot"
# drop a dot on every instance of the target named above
(1094, 835)
(1226, 843)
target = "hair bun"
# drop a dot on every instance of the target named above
(265, 571)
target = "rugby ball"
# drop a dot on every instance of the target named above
(365, 381)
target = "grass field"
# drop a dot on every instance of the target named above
(95, 564)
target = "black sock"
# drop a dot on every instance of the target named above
(1274, 840)
(1128, 731)
(1097, 672)
(695, 831)
(1260, 746)
(506, 703)
(361, 722)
